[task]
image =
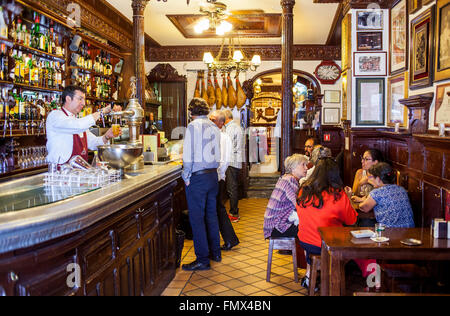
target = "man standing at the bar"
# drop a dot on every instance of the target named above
(69, 136)
(226, 228)
(232, 176)
(201, 157)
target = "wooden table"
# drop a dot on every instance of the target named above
(339, 246)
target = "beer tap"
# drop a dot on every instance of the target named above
(27, 124)
(33, 126)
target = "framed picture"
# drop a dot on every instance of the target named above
(369, 64)
(331, 116)
(414, 6)
(370, 101)
(397, 90)
(442, 113)
(332, 96)
(422, 42)
(442, 41)
(369, 40)
(346, 41)
(398, 39)
(370, 20)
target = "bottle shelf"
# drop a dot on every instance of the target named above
(38, 52)
(101, 100)
(28, 87)
(94, 73)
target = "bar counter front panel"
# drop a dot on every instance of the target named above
(118, 240)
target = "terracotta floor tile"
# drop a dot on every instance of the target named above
(198, 292)
(247, 289)
(230, 293)
(250, 279)
(264, 285)
(279, 290)
(216, 288)
(262, 293)
(171, 292)
(233, 284)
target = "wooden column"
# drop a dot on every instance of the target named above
(139, 47)
(287, 43)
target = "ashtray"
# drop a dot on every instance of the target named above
(379, 239)
(411, 242)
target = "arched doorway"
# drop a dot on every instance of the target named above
(264, 92)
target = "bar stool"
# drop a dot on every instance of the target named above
(282, 243)
(315, 268)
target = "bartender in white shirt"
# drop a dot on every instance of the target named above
(69, 136)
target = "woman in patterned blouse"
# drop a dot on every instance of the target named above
(280, 219)
(390, 202)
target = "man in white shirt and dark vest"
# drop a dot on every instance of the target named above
(69, 136)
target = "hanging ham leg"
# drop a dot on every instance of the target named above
(224, 91)
(231, 93)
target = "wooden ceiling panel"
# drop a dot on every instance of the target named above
(246, 24)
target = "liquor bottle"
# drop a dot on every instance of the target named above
(3, 26)
(19, 31)
(51, 44)
(12, 31)
(58, 50)
(4, 63)
(26, 70)
(36, 33)
(50, 75)
(89, 60)
(36, 73)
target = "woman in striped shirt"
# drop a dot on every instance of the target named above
(280, 219)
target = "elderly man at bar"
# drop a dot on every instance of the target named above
(201, 157)
(226, 228)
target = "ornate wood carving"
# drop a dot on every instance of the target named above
(165, 73)
(267, 52)
(419, 107)
(92, 18)
(139, 46)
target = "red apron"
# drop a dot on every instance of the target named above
(80, 146)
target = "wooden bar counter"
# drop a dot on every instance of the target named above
(118, 240)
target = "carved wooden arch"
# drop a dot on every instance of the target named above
(248, 84)
(165, 73)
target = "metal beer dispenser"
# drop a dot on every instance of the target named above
(130, 155)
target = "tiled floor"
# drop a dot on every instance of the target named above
(242, 271)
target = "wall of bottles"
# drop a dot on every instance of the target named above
(36, 64)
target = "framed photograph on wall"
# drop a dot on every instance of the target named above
(422, 42)
(398, 38)
(369, 20)
(331, 116)
(414, 6)
(397, 90)
(369, 41)
(442, 112)
(370, 102)
(369, 64)
(442, 41)
(332, 96)
(346, 42)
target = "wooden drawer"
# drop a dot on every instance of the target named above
(127, 231)
(97, 253)
(149, 218)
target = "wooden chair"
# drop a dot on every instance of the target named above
(282, 243)
(315, 268)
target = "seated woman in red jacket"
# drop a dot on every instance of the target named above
(322, 202)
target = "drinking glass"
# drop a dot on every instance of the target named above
(379, 229)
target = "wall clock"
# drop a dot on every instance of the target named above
(328, 72)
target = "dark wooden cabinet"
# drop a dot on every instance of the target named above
(432, 203)
(129, 253)
(415, 196)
